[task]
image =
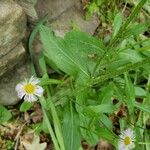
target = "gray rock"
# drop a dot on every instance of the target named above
(74, 17)
(12, 25)
(53, 8)
(28, 7)
(13, 58)
(8, 95)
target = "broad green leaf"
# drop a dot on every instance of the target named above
(25, 106)
(122, 123)
(103, 108)
(88, 128)
(147, 140)
(142, 107)
(130, 94)
(86, 47)
(71, 130)
(5, 114)
(57, 50)
(117, 24)
(130, 56)
(106, 94)
(108, 135)
(81, 40)
(47, 81)
(106, 121)
(136, 29)
(139, 92)
(81, 97)
(42, 64)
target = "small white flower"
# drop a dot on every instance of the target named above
(126, 141)
(29, 89)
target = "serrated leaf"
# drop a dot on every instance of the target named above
(5, 114)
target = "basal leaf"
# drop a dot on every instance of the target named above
(71, 130)
(103, 108)
(5, 114)
(117, 24)
(57, 51)
(142, 107)
(25, 106)
(106, 95)
(130, 94)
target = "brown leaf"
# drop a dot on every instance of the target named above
(34, 144)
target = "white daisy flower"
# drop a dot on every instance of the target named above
(126, 141)
(29, 89)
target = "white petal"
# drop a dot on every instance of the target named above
(19, 87)
(131, 146)
(21, 94)
(34, 80)
(39, 91)
(30, 98)
(120, 145)
(20, 91)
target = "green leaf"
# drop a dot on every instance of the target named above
(106, 121)
(106, 94)
(130, 56)
(139, 92)
(136, 29)
(5, 114)
(117, 24)
(130, 94)
(57, 51)
(86, 47)
(25, 106)
(103, 108)
(47, 81)
(108, 135)
(71, 130)
(142, 107)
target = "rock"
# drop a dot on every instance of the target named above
(28, 7)
(8, 95)
(74, 17)
(53, 8)
(12, 25)
(13, 58)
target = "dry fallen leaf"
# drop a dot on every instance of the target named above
(35, 144)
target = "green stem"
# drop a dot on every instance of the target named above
(56, 121)
(49, 125)
(112, 74)
(115, 40)
(134, 13)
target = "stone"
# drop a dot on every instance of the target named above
(12, 25)
(8, 95)
(29, 9)
(13, 58)
(74, 17)
(53, 8)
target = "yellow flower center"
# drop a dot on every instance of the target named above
(127, 140)
(29, 88)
